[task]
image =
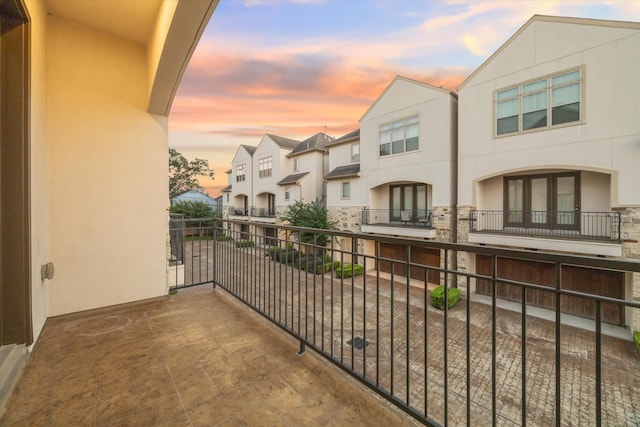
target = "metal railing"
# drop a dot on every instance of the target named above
(263, 212)
(239, 211)
(578, 225)
(398, 217)
(469, 364)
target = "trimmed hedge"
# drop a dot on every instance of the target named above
(324, 268)
(437, 297)
(349, 270)
(636, 339)
(223, 238)
(244, 243)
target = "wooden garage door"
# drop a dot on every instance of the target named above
(423, 256)
(587, 280)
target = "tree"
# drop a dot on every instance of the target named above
(192, 209)
(310, 215)
(183, 173)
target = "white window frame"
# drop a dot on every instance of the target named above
(393, 136)
(342, 188)
(296, 164)
(544, 85)
(265, 167)
(241, 173)
(287, 195)
(355, 152)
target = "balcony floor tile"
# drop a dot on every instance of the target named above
(198, 358)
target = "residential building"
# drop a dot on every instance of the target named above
(549, 142)
(408, 168)
(83, 83)
(346, 197)
(240, 184)
(308, 163)
(197, 196)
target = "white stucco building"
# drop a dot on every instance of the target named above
(548, 151)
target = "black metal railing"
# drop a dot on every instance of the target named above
(263, 212)
(239, 211)
(401, 217)
(469, 364)
(578, 225)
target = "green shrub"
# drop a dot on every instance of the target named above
(636, 339)
(244, 243)
(223, 238)
(320, 266)
(349, 270)
(437, 297)
(283, 255)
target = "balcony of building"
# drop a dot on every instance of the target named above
(284, 334)
(196, 358)
(400, 209)
(240, 208)
(262, 214)
(466, 365)
(400, 222)
(555, 210)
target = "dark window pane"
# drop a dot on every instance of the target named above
(566, 113)
(397, 146)
(534, 119)
(412, 144)
(385, 149)
(507, 125)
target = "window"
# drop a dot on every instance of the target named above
(264, 167)
(286, 194)
(408, 201)
(241, 171)
(227, 197)
(543, 103)
(355, 152)
(399, 137)
(296, 164)
(543, 201)
(346, 190)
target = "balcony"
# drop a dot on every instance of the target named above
(263, 214)
(594, 233)
(196, 358)
(399, 222)
(466, 365)
(238, 212)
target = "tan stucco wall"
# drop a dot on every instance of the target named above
(38, 165)
(108, 189)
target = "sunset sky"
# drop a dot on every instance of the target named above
(292, 67)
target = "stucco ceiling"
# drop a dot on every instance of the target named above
(130, 19)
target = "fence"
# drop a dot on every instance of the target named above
(472, 363)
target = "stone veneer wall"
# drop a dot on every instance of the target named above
(630, 233)
(463, 237)
(443, 217)
(348, 218)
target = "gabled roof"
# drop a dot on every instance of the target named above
(283, 142)
(547, 18)
(316, 142)
(344, 171)
(292, 179)
(194, 192)
(250, 149)
(354, 135)
(408, 80)
(226, 189)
